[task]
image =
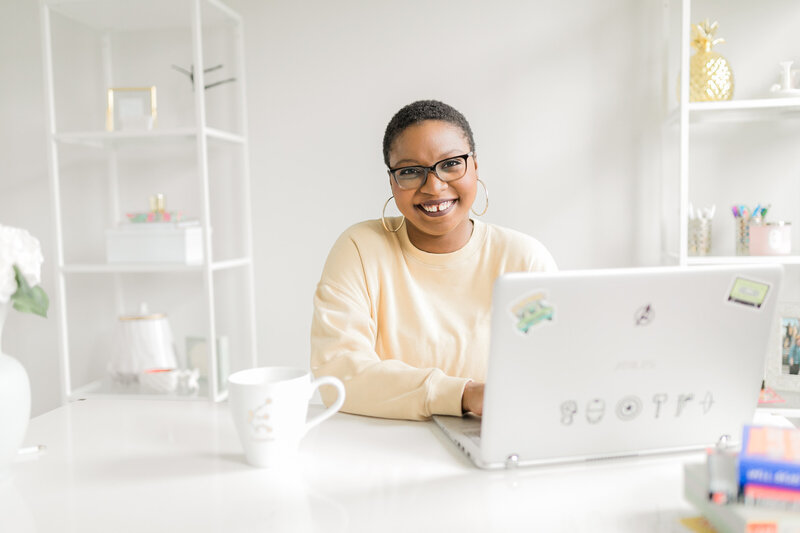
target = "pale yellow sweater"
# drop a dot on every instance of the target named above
(405, 330)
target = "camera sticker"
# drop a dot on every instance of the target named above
(595, 410)
(683, 399)
(568, 410)
(708, 401)
(748, 292)
(659, 399)
(532, 310)
(629, 408)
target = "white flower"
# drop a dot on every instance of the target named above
(18, 247)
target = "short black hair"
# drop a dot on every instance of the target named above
(419, 111)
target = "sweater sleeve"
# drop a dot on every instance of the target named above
(343, 340)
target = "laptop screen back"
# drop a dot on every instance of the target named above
(589, 364)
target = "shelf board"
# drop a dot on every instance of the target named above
(104, 388)
(743, 259)
(740, 110)
(103, 139)
(146, 268)
(142, 15)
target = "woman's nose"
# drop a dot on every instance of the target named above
(433, 185)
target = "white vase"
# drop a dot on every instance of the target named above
(15, 402)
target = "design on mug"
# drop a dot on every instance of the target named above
(532, 310)
(257, 418)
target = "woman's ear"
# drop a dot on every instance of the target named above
(475, 161)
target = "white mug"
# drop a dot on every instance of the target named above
(269, 407)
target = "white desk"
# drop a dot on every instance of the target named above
(143, 466)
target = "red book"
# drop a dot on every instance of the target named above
(765, 492)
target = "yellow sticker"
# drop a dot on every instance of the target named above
(748, 292)
(698, 524)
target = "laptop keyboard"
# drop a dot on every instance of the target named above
(474, 435)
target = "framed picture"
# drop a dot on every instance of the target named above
(131, 108)
(783, 361)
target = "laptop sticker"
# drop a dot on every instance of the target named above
(629, 408)
(683, 399)
(708, 401)
(595, 410)
(659, 399)
(568, 410)
(748, 292)
(532, 310)
(644, 315)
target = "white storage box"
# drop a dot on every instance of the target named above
(155, 242)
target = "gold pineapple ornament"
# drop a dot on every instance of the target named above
(710, 75)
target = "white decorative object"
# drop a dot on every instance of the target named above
(144, 344)
(20, 274)
(156, 242)
(785, 87)
(15, 402)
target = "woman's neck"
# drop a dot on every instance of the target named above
(441, 244)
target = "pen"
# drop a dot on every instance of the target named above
(31, 450)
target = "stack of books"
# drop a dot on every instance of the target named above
(768, 496)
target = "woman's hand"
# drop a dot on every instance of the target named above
(472, 399)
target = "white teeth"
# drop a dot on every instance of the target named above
(438, 207)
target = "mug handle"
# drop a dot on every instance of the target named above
(330, 411)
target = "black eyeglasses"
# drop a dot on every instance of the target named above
(447, 170)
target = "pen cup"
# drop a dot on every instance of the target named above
(699, 236)
(743, 225)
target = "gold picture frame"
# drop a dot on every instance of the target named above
(131, 108)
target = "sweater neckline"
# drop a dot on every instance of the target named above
(475, 242)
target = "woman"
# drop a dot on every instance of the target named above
(401, 313)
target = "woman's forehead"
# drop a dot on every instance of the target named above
(429, 138)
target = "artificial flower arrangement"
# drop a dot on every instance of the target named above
(20, 271)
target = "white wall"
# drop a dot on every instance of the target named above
(563, 97)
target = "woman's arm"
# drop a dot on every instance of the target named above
(343, 338)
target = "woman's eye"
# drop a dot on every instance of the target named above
(412, 172)
(451, 163)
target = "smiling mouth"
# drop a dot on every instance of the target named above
(437, 209)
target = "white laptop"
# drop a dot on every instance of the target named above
(588, 365)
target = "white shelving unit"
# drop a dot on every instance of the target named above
(685, 118)
(179, 28)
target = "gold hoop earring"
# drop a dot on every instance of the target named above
(486, 193)
(383, 218)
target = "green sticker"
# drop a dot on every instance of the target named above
(748, 292)
(531, 310)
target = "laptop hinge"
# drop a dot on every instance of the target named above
(512, 461)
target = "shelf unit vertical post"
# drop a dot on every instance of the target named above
(55, 201)
(112, 164)
(246, 191)
(683, 209)
(202, 171)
